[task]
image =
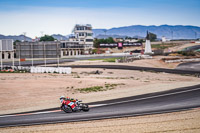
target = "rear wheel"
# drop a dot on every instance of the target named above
(66, 109)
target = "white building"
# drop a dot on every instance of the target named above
(83, 35)
(164, 39)
(6, 50)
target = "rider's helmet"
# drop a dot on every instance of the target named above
(68, 98)
(62, 97)
(72, 99)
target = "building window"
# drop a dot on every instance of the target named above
(79, 28)
(88, 28)
(89, 34)
(81, 34)
(89, 40)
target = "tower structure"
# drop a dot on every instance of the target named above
(84, 35)
(148, 45)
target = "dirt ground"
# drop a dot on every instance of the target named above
(177, 122)
(43, 90)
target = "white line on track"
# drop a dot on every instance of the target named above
(173, 93)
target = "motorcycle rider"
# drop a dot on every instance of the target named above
(69, 101)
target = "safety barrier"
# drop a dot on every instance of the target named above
(60, 70)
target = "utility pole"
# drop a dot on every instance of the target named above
(13, 56)
(58, 61)
(32, 53)
(195, 33)
(172, 36)
(19, 55)
(45, 62)
(24, 33)
(42, 32)
(105, 33)
(1, 55)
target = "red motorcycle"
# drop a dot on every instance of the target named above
(69, 106)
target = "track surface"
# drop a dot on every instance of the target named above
(54, 61)
(150, 69)
(161, 102)
(189, 66)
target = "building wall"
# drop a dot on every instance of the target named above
(6, 49)
(6, 45)
(72, 48)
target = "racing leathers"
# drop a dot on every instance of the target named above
(70, 102)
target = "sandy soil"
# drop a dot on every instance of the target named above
(43, 91)
(178, 122)
(17, 91)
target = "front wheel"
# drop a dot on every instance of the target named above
(85, 107)
(66, 109)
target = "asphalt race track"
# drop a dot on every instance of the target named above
(154, 103)
(189, 66)
(161, 102)
(54, 61)
(149, 69)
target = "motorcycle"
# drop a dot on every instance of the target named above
(77, 106)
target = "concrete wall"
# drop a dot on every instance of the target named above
(60, 70)
(6, 45)
(6, 49)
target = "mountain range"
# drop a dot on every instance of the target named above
(20, 37)
(169, 31)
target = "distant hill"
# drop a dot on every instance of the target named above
(59, 37)
(20, 37)
(169, 31)
(102, 36)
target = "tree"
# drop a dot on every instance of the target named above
(110, 40)
(16, 42)
(47, 38)
(152, 36)
(97, 42)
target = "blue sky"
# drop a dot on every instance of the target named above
(59, 16)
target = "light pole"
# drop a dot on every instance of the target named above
(57, 51)
(172, 36)
(45, 62)
(105, 33)
(19, 54)
(24, 33)
(42, 32)
(13, 56)
(1, 55)
(195, 34)
(32, 53)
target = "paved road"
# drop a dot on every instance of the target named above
(161, 102)
(150, 69)
(54, 61)
(189, 66)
